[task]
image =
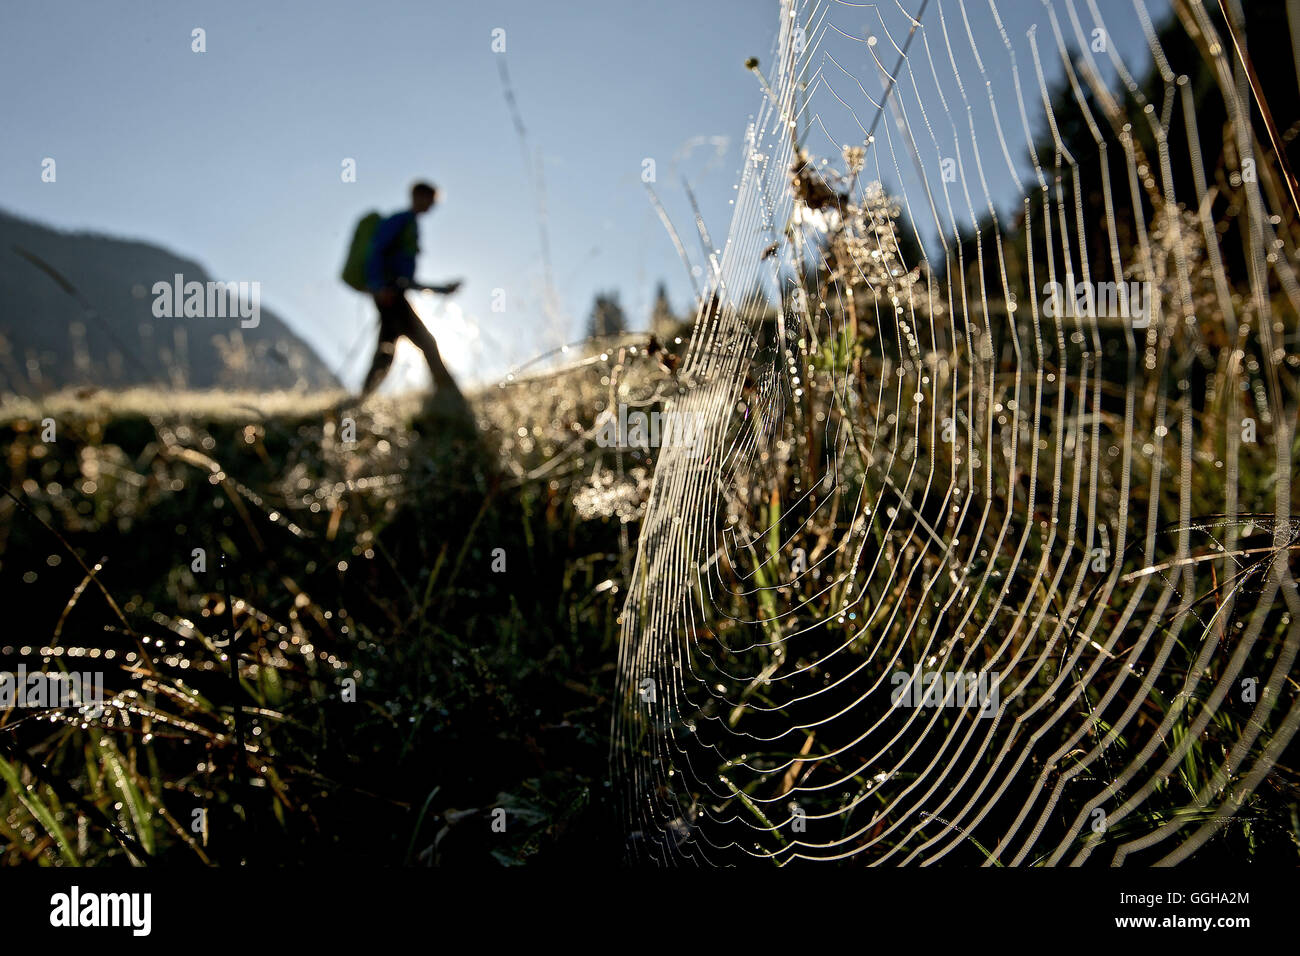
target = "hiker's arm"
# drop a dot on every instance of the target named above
(446, 289)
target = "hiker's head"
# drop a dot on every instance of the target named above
(423, 197)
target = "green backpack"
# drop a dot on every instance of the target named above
(354, 269)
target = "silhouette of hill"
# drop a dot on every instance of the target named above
(77, 309)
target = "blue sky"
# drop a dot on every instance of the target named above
(233, 156)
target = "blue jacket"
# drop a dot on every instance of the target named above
(393, 250)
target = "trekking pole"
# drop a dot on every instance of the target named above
(366, 331)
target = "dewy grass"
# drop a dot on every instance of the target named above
(357, 697)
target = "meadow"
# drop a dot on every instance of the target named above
(424, 621)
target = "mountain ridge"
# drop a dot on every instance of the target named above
(77, 309)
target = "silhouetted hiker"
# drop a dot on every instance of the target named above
(382, 262)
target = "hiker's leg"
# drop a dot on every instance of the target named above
(384, 350)
(379, 366)
(419, 334)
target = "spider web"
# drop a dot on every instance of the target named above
(961, 565)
